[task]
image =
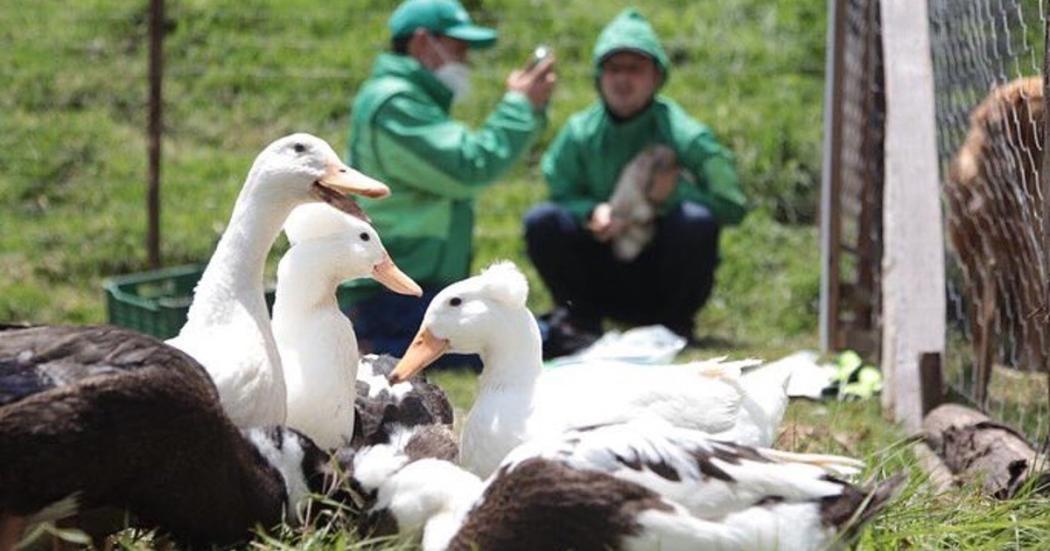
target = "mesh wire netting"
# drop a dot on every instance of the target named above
(859, 180)
(987, 58)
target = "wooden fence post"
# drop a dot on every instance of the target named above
(913, 258)
(831, 176)
(1044, 179)
(154, 130)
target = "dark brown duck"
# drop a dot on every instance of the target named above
(94, 417)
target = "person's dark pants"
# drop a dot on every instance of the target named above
(667, 283)
(386, 323)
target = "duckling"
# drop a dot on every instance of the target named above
(104, 417)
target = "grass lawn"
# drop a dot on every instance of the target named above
(241, 73)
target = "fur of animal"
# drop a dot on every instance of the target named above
(994, 225)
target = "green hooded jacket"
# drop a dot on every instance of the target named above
(401, 134)
(584, 161)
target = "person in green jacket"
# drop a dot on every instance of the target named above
(694, 193)
(402, 134)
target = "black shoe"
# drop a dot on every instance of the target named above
(567, 335)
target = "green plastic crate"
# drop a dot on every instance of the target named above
(156, 302)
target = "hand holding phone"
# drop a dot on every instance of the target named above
(541, 53)
(536, 80)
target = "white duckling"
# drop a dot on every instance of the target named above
(643, 485)
(518, 400)
(228, 328)
(316, 341)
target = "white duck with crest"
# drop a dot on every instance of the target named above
(316, 341)
(518, 400)
(228, 328)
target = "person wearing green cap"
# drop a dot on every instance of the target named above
(401, 132)
(695, 192)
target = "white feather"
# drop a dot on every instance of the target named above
(288, 460)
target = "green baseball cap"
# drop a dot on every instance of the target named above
(447, 17)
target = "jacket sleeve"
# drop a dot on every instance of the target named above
(419, 145)
(564, 175)
(716, 178)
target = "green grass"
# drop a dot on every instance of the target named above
(239, 74)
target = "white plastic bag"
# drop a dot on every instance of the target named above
(652, 344)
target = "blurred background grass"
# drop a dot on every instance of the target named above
(240, 74)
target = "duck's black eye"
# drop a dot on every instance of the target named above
(455, 301)
(365, 236)
(299, 148)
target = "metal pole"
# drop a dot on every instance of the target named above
(156, 70)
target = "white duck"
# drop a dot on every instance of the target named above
(228, 329)
(518, 400)
(316, 341)
(643, 485)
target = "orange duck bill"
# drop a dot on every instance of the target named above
(425, 348)
(387, 273)
(344, 179)
(340, 179)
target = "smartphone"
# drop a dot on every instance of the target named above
(541, 53)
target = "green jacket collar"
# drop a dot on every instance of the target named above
(410, 69)
(637, 120)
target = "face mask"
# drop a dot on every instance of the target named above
(454, 74)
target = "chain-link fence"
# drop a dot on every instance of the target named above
(987, 58)
(988, 88)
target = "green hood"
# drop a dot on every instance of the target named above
(630, 31)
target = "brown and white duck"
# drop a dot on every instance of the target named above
(383, 408)
(643, 485)
(102, 417)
